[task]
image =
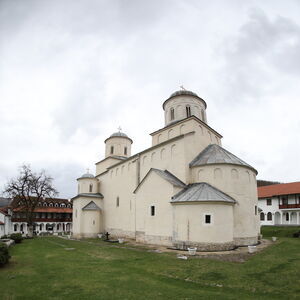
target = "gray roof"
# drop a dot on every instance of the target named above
(215, 154)
(87, 175)
(201, 192)
(119, 133)
(4, 201)
(165, 175)
(89, 195)
(91, 206)
(181, 93)
(169, 177)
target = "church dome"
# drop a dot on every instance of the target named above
(87, 175)
(119, 134)
(184, 93)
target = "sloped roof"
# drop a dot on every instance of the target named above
(215, 154)
(91, 206)
(89, 195)
(168, 176)
(201, 192)
(278, 189)
(4, 201)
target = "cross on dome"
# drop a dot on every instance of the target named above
(182, 87)
(88, 170)
(119, 128)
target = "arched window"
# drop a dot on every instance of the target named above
(91, 188)
(118, 202)
(269, 216)
(202, 115)
(63, 205)
(21, 227)
(172, 113)
(56, 205)
(111, 149)
(45, 204)
(287, 217)
(50, 204)
(188, 111)
(41, 227)
(15, 227)
(125, 150)
(262, 216)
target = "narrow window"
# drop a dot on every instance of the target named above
(287, 217)
(15, 227)
(207, 219)
(91, 188)
(172, 114)
(262, 216)
(255, 210)
(78, 188)
(188, 111)
(118, 202)
(21, 227)
(76, 213)
(93, 222)
(152, 212)
(269, 201)
(202, 115)
(41, 227)
(269, 216)
(125, 151)
(112, 150)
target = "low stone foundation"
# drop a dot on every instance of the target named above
(184, 245)
(245, 241)
(119, 233)
(153, 239)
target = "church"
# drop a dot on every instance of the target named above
(184, 191)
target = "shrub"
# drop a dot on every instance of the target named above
(17, 237)
(296, 234)
(4, 255)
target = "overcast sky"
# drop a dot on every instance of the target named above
(71, 72)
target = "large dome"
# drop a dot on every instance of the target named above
(183, 93)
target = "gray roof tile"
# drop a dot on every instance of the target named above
(215, 154)
(169, 177)
(201, 192)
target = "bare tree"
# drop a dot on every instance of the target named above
(27, 190)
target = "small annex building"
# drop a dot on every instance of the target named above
(279, 204)
(185, 190)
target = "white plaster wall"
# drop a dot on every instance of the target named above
(189, 222)
(239, 183)
(83, 225)
(179, 104)
(84, 185)
(204, 134)
(119, 143)
(102, 166)
(155, 191)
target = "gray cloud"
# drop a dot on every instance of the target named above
(71, 72)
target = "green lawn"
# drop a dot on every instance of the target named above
(44, 268)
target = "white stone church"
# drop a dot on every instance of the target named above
(185, 190)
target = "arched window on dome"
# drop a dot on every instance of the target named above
(112, 150)
(188, 111)
(202, 115)
(91, 188)
(125, 150)
(172, 113)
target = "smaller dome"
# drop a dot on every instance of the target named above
(87, 175)
(119, 133)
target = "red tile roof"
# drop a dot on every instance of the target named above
(278, 189)
(48, 209)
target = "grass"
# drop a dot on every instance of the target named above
(279, 231)
(44, 268)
